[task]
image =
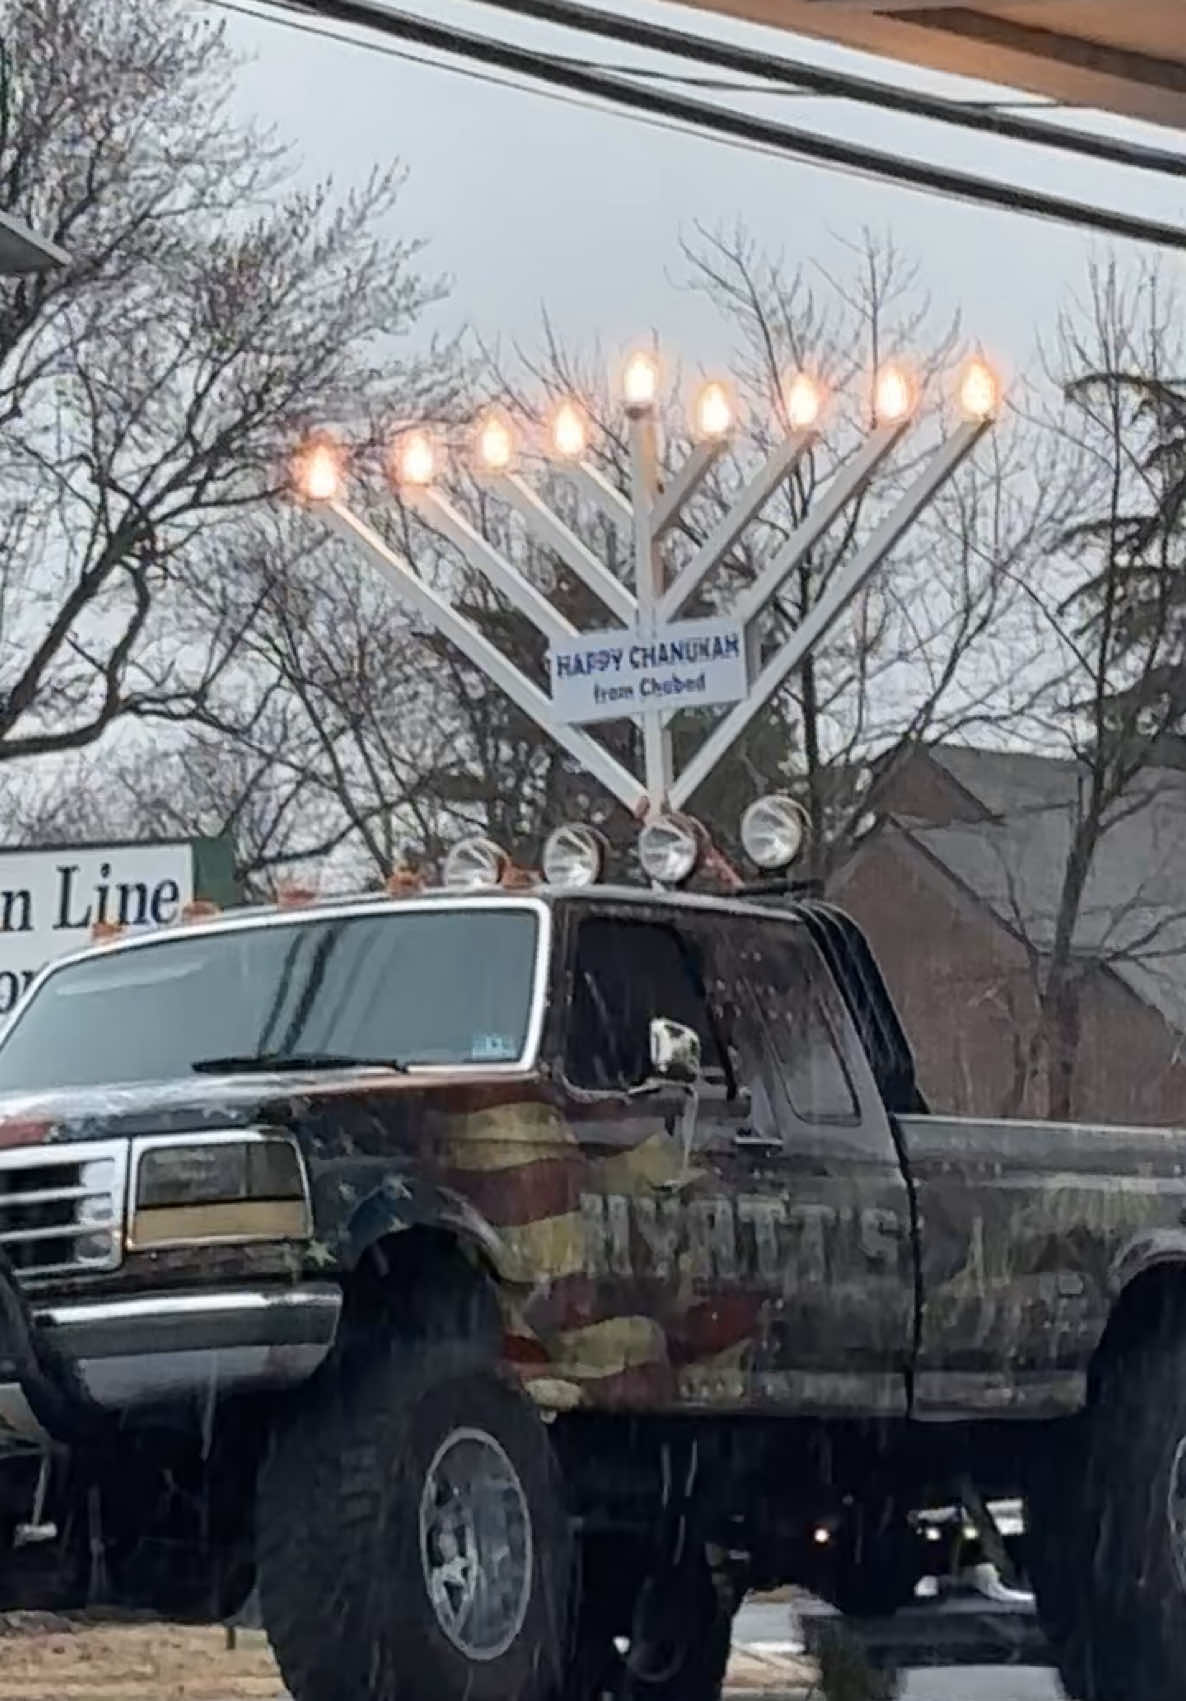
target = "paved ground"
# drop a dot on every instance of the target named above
(982, 1683)
(768, 1630)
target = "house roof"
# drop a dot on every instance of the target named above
(1089, 53)
(1133, 915)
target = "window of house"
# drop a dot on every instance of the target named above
(625, 973)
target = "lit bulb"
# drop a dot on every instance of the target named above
(714, 411)
(496, 444)
(980, 391)
(569, 435)
(893, 399)
(416, 459)
(640, 384)
(317, 472)
(802, 401)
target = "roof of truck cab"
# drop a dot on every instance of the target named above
(363, 903)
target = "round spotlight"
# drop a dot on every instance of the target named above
(773, 830)
(640, 382)
(669, 849)
(713, 412)
(802, 400)
(574, 855)
(979, 392)
(893, 396)
(475, 862)
(318, 471)
(415, 459)
(496, 443)
(570, 432)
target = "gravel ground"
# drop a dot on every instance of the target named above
(51, 1660)
(142, 1662)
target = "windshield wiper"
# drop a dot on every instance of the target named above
(265, 1062)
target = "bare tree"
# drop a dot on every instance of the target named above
(1109, 610)
(332, 702)
(149, 390)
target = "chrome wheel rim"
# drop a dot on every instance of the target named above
(1175, 1511)
(476, 1544)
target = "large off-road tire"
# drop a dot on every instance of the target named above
(1108, 1538)
(1052, 1525)
(677, 1629)
(413, 1543)
(686, 1652)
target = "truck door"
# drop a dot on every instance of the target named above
(825, 1204)
(667, 1312)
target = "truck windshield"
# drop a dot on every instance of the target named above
(439, 986)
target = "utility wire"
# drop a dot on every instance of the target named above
(729, 85)
(268, 11)
(712, 121)
(843, 85)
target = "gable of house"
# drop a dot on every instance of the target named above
(960, 883)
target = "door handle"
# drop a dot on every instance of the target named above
(751, 1139)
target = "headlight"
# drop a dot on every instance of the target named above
(218, 1173)
(211, 1190)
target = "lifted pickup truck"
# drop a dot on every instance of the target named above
(504, 1279)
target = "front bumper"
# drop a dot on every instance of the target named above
(66, 1371)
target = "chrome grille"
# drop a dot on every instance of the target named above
(62, 1207)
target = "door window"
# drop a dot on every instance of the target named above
(779, 1023)
(625, 973)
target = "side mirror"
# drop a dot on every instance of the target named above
(675, 1051)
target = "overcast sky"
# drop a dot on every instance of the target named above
(529, 200)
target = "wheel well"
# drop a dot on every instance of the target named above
(427, 1282)
(1152, 1305)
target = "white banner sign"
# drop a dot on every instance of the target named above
(50, 900)
(603, 676)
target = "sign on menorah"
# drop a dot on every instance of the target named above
(603, 676)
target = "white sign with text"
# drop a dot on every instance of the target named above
(603, 676)
(51, 899)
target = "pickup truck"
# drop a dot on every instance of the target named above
(502, 1281)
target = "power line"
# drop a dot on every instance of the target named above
(267, 11)
(842, 85)
(709, 120)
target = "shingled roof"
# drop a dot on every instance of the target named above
(1012, 858)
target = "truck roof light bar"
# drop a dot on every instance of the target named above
(475, 861)
(574, 855)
